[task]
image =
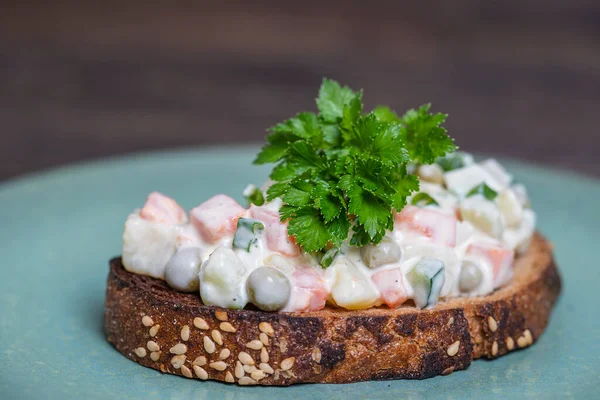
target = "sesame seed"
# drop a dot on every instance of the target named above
(451, 321)
(244, 380)
(264, 338)
(200, 323)
(494, 348)
(218, 365)
(239, 370)
(266, 327)
(282, 345)
(200, 372)
(200, 361)
(258, 375)
(528, 336)
(177, 361)
(250, 368)
(316, 355)
(448, 371)
(254, 345)
(266, 367)
(140, 352)
(152, 345)
(179, 348)
(155, 355)
(453, 349)
(225, 353)
(147, 321)
(185, 333)
(221, 315)
(209, 345)
(216, 335)
(227, 327)
(264, 355)
(245, 358)
(154, 330)
(492, 324)
(186, 371)
(522, 342)
(287, 363)
(510, 343)
(276, 374)
(229, 377)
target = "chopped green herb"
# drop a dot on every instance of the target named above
(452, 161)
(423, 199)
(343, 169)
(247, 233)
(253, 195)
(484, 190)
(329, 256)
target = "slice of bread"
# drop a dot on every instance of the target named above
(175, 333)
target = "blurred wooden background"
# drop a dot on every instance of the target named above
(518, 78)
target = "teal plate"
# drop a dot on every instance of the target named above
(58, 230)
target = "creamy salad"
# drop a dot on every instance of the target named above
(458, 236)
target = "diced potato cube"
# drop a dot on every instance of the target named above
(461, 181)
(483, 214)
(148, 246)
(497, 171)
(351, 289)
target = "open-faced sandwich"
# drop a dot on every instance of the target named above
(375, 250)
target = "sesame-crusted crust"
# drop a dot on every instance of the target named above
(175, 333)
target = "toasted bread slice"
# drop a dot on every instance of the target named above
(175, 333)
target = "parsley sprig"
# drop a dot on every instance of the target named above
(342, 169)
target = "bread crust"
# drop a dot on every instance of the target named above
(330, 345)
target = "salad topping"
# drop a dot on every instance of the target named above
(361, 210)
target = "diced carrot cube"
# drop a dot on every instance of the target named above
(217, 217)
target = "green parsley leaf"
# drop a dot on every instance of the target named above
(342, 173)
(483, 190)
(426, 139)
(332, 99)
(308, 228)
(253, 195)
(384, 114)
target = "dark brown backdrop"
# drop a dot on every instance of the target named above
(518, 78)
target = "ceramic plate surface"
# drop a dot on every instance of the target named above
(58, 230)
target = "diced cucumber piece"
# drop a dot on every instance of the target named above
(221, 280)
(454, 161)
(484, 190)
(247, 233)
(427, 278)
(423, 199)
(253, 195)
(329, 256)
